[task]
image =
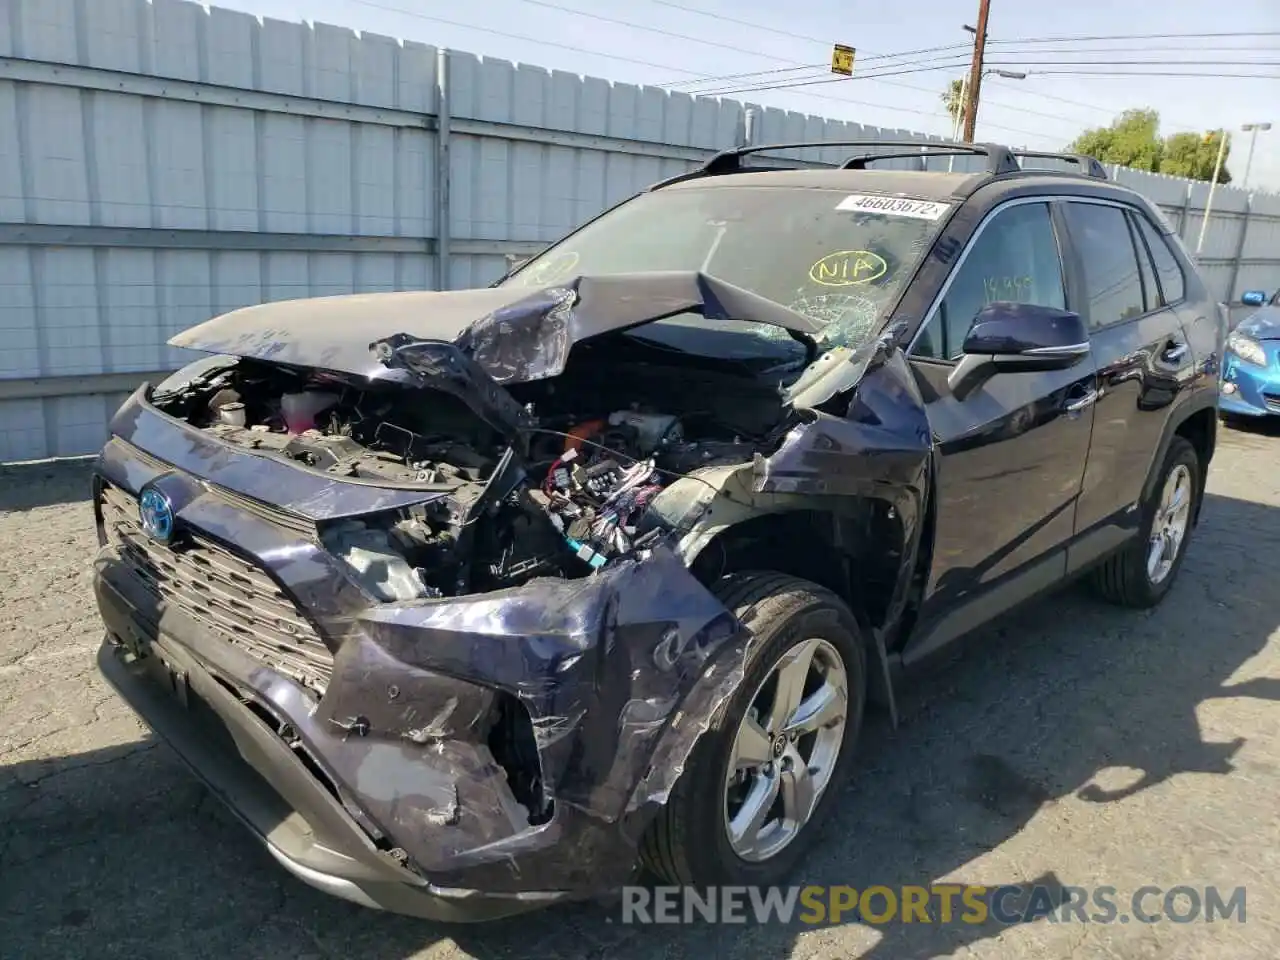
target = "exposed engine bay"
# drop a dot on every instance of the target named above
(605, 439)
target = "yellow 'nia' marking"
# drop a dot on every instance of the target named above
(847, 267)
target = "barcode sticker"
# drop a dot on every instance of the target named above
(894, 206)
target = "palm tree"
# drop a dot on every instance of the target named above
(953, 99)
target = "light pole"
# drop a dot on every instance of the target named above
(1213, 185)
(958, 120)
(1251, 129)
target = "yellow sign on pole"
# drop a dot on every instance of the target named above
(842, 59)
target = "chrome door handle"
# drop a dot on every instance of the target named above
(1078, 404)
(1176, 352)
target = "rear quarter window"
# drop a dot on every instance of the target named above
(1172, 283)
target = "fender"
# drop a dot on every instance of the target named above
(1196, 402)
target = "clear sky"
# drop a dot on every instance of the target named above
(1042, 111)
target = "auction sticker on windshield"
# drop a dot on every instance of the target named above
(894, 206)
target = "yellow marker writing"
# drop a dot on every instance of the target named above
(845, 268)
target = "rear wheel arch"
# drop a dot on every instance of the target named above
(1197, 423)
(1200, 429)
(1126, 577)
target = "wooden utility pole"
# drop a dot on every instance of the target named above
(975, 71)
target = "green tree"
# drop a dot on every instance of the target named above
(1132, 140)
(1193, 155)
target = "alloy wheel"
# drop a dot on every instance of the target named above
(1169, 528)
(786, 749)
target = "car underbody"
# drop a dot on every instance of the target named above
(457, 611)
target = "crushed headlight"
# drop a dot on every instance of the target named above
(1247, 349)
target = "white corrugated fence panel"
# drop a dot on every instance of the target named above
(277, 187)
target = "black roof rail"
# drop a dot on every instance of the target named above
(1088, 166)
(999, 158)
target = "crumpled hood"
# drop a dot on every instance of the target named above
(1263, 325)
(512, 333)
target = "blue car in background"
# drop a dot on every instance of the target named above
(1251, 374)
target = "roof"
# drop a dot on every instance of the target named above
(921, 184)
(915, 183)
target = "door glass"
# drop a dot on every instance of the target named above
(1171, 283)
(1113, 290)
(1015, 258)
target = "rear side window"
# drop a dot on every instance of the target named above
(1014, 258)
(1172, 287)
(1150, 288)
(1113, 287)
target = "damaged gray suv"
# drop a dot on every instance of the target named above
(471, 602)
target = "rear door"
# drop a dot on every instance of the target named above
(1142, 357)
(1009, 458)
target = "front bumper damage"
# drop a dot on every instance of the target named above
(385, 790)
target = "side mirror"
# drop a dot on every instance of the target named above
(1018, 338)
(1253, 298)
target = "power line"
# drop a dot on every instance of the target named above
(1036, 72)
(520, 36)
(825, 41)
(1104, 51)
(820, 81)
(741, 23)
(1141, 73)
(669, 33)
(1142, 36)
(619, 22)
(1110, 111)
(1032, 66)
(874, 56)
(704, 77)
(1136, 63)
(632, 25)
(749, 73)
(861, 60)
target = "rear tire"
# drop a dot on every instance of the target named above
(1131, 577)
(690, 843)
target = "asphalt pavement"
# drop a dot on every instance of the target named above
(1070, 745)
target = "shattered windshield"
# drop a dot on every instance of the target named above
(836, 257)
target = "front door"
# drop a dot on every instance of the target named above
(1010, 457)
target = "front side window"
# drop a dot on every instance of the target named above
(1014, 258)
(839, 258)
(1113, 285)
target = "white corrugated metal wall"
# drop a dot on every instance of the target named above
(161, 163)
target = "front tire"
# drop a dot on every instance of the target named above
(1141, 574)
(762, 780)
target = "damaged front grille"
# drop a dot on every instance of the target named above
(234, 598)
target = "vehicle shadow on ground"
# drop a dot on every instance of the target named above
(44, 483)
(119, 852)
(1242, 428)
